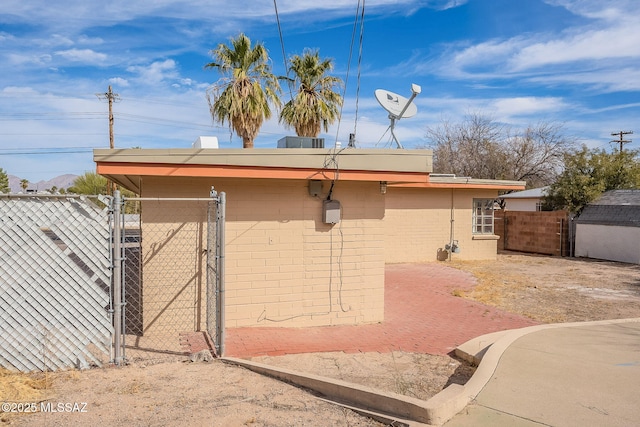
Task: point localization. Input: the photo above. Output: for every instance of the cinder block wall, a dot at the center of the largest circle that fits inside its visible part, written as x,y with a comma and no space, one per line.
284,266
173,250
535,232
417,225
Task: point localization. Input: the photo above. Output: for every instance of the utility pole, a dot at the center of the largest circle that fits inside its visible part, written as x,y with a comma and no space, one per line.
621,135
110,97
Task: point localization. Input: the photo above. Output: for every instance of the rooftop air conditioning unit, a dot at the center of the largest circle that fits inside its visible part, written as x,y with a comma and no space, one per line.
300,142
206,142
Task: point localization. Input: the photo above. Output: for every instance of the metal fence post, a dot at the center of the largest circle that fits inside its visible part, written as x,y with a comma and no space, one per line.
117,278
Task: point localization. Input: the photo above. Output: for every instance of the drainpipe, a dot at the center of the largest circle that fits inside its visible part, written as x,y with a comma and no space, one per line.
451,236
222,202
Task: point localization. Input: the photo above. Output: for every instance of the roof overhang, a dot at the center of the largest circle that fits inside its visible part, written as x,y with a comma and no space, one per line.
128,166
406,168
454,182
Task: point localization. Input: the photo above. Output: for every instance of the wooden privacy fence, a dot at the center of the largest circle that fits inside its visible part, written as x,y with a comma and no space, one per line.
535,232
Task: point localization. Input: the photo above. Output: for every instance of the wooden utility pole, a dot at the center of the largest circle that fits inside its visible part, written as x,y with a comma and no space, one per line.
110,97
621,135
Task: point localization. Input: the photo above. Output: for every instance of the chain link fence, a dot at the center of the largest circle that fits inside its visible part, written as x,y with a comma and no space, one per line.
171,264
88,280
55,281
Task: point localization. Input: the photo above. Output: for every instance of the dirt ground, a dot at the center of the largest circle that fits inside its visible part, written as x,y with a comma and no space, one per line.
177,392
556,290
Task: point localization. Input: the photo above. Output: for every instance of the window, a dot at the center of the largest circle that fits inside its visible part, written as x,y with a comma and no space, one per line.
482,216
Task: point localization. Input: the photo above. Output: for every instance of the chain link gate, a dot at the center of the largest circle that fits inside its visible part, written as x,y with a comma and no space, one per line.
172,271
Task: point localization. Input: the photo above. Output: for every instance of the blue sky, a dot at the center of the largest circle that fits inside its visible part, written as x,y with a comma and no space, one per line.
517,61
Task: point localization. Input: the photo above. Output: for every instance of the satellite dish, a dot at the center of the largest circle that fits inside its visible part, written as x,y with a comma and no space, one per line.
398,107
394,104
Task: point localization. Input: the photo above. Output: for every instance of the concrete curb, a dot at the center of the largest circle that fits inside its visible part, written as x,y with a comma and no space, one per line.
401,409
485,350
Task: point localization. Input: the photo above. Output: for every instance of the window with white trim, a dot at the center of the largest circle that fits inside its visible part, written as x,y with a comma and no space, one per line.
482,216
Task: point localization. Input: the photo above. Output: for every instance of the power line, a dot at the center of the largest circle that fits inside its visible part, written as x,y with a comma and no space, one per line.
50,116
355,123
358,18
48,148
48,134
27,152
284,55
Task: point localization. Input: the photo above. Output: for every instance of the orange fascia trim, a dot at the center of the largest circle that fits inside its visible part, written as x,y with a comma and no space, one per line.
226,171
457,185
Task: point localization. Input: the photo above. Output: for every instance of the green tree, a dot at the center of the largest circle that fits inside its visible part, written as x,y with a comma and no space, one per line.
316,104
24,183
242,97
588,173
4,182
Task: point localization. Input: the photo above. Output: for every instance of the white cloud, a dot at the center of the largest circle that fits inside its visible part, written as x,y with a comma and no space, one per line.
54,40
610,10
119,81
602,54
621,41
625,78
484,54
85,40
28,59
448,4
527,106
86,56
156,72
4,36
18,91
90,13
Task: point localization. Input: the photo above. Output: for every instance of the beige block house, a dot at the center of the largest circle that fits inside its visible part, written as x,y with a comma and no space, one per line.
284,265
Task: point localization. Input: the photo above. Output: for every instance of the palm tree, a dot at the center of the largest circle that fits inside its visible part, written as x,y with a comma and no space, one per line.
89,183
24,183
243,95
93,184
316,104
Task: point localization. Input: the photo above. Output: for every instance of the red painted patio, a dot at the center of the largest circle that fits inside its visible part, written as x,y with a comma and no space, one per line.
421,316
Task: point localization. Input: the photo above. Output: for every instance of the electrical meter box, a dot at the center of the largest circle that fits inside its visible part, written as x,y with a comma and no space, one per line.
331,211
315,188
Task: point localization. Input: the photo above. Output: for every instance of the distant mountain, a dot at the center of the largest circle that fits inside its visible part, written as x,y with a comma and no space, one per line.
62,181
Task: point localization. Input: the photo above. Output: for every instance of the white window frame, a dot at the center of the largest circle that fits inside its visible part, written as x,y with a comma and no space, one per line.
483,222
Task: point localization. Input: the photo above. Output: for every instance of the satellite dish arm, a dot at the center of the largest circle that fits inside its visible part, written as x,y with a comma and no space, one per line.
413,96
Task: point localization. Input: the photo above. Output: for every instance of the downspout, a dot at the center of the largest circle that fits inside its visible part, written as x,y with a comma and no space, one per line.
452,221
222,202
